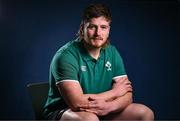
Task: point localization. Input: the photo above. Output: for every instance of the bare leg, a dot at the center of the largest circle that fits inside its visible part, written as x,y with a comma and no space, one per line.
133,112
69,115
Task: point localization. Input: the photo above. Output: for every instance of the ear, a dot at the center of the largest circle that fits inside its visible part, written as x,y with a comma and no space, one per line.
81,29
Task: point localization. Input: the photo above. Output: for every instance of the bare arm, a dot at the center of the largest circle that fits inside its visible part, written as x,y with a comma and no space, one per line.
120,103
73,94
74,97
120,87
102,107
108,95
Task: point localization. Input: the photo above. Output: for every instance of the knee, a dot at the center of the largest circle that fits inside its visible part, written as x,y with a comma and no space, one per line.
144,112
79,116
88,117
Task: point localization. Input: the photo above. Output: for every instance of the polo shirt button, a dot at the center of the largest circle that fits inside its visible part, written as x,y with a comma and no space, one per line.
94,60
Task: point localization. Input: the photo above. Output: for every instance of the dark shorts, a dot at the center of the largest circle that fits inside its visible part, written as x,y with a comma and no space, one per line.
56,115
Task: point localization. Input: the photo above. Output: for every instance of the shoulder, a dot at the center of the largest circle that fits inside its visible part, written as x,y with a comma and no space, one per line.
111,49
67,53
113,52
68,49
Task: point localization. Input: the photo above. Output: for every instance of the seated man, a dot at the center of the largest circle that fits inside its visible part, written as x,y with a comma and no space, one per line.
88,81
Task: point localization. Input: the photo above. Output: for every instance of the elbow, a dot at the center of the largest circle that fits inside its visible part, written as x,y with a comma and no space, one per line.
130,98
77,104
75,107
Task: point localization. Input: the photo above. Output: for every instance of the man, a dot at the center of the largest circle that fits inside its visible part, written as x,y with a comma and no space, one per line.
88,81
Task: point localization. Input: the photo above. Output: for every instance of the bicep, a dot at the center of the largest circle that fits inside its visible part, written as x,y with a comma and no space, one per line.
62,68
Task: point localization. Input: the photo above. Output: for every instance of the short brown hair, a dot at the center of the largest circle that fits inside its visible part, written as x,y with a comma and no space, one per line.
94,11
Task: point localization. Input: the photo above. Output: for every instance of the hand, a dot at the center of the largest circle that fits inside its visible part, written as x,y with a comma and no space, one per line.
121,86
98,106
93,96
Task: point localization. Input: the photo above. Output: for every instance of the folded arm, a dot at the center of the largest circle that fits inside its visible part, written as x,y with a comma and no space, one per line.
74,97
76,100
102,107
120,87
120,103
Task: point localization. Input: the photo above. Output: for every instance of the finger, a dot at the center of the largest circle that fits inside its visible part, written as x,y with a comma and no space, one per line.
89,105
128,86
93,102
91,111
87,110
93,106
82,109
84,106
122,80
128,82
130,89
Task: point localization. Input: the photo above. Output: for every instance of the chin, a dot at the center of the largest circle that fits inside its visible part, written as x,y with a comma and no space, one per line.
97,45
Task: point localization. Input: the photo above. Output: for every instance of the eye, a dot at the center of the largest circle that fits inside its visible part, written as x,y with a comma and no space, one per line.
91,27
104,27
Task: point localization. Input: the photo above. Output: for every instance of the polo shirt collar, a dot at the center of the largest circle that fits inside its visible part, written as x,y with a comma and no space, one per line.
86,56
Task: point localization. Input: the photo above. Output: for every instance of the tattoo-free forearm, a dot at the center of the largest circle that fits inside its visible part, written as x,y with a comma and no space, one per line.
121,103
107,96
73,95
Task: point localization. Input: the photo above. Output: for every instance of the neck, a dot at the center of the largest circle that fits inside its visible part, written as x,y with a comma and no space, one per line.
94,52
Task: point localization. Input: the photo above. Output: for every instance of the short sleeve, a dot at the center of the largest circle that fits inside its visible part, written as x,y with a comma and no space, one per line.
119,69
64,66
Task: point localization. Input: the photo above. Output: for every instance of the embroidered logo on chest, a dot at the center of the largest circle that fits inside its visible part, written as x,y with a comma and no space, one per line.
83,68
108,66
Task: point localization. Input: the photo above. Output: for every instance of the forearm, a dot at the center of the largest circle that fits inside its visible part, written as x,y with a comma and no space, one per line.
75,103
73,95
120,103
107,96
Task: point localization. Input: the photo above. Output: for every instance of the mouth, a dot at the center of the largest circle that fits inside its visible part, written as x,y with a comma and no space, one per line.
98,38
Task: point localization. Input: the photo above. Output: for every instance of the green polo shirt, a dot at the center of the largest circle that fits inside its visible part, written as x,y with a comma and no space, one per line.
73,63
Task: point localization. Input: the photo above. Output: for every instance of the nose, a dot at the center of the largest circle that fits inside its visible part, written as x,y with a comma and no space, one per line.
98,31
